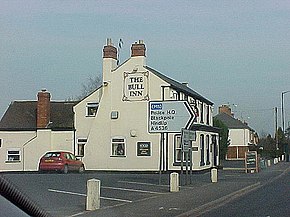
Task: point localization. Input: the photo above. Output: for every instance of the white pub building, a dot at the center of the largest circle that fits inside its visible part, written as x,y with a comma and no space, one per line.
133,121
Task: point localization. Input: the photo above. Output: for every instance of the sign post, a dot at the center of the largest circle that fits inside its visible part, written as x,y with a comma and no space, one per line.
169,117
251,161
186,137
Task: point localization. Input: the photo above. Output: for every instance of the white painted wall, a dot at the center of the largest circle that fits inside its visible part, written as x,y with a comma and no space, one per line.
133,116
239,137
32,146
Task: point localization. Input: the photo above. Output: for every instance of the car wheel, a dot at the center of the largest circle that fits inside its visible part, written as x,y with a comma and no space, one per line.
65,169
82,169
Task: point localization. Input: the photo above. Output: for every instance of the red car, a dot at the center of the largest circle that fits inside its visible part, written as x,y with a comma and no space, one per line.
60,161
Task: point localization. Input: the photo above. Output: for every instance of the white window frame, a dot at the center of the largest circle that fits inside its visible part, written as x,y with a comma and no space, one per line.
9,158
81,142
178,148
118,142
89,106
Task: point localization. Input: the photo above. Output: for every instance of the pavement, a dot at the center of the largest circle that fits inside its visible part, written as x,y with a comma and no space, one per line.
199,197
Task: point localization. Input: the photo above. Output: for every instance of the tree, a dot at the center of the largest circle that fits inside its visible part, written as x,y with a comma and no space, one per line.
223,137
89,86
267,146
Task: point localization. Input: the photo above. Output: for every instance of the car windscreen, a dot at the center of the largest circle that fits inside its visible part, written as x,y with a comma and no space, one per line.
52,154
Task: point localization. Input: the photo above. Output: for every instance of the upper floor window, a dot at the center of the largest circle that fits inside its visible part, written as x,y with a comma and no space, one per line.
1,143
92,108
201,113
207,114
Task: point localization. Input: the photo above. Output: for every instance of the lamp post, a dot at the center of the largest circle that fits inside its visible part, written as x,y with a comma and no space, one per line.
283,123
282,106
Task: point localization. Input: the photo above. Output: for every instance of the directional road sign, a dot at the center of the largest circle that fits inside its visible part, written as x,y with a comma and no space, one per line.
169,116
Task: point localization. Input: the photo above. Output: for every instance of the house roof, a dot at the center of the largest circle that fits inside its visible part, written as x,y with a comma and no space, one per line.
231,122
21,115
179,86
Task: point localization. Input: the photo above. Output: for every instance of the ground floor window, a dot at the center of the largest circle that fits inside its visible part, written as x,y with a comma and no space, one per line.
202,150
13,155
178,149
118,147
81,146
207,150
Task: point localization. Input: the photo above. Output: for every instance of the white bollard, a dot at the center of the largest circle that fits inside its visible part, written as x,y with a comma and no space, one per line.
93,194
174,182
269,163
214,175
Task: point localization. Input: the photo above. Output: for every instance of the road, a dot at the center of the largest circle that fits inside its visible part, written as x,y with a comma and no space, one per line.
269,200
138,194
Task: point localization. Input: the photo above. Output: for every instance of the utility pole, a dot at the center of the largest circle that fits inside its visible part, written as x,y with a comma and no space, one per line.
276,128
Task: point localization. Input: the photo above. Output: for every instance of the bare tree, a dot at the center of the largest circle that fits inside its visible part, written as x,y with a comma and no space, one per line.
89,86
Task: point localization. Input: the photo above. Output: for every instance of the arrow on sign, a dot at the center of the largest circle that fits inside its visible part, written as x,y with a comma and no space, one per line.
169,116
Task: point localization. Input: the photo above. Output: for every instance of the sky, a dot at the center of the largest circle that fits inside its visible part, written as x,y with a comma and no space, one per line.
231,52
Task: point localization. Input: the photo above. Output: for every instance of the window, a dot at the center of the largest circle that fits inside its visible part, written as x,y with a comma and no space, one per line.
207,150
81,147
114,115
13,155
0,143
118,147
207,114
143,149
178,151
201,150
92,108
201,113
177,144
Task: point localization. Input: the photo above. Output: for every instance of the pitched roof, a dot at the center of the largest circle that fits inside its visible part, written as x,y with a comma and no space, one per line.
231,122
179,86
21,115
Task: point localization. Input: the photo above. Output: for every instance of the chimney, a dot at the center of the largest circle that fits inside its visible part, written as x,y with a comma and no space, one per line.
225,109
109,60
109,50
43,109
138,49
185,84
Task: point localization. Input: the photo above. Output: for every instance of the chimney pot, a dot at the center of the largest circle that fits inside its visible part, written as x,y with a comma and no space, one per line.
138,49
225,109
109,50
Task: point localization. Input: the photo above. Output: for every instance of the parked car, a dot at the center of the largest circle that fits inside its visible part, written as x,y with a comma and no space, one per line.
60,161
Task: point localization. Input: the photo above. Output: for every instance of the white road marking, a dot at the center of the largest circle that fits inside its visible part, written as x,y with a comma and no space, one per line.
150,184
84,195
142,183
67,192
133,190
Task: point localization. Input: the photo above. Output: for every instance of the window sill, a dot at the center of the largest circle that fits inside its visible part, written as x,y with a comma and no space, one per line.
11,162
118,156
178,164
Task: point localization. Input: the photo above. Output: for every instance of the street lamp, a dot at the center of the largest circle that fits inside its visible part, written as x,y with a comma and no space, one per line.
283,124
282,104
